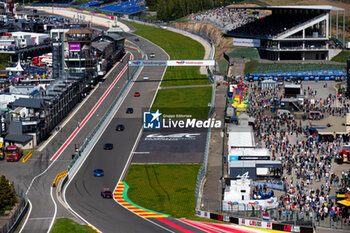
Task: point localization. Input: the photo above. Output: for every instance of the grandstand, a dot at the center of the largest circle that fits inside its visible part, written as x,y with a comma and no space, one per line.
129,7
291,33
91,4
55,3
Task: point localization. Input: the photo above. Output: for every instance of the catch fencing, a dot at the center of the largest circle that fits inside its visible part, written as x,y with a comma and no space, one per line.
16,215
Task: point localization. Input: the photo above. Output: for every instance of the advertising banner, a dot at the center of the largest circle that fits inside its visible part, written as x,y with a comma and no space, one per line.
172,63
148,63
243,42
255,223
202,214
191,63
74,47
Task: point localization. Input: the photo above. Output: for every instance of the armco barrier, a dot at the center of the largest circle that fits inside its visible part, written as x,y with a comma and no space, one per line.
254,223
19,219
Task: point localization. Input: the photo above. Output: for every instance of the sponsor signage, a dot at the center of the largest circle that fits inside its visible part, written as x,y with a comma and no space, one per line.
191,62
243,42
148,63
202,214
153,120
235,158
172,63
74,47
255,223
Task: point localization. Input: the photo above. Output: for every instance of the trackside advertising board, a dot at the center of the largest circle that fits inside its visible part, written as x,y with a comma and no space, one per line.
242,42
172,63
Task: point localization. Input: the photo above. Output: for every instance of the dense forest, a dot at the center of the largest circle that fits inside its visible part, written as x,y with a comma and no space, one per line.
173,9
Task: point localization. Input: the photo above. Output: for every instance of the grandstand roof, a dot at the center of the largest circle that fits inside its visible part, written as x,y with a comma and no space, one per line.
302,7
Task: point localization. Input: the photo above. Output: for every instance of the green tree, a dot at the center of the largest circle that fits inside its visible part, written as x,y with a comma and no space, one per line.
7,197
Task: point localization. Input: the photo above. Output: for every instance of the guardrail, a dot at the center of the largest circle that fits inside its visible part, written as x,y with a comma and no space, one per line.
17,215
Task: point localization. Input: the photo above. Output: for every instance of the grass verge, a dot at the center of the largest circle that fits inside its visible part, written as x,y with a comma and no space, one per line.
255,67
64,225
223,66
178,47
251,53
193,101
343,56
165,188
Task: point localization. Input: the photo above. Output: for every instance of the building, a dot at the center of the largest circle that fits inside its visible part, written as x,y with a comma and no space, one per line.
292,33
108,49
80,59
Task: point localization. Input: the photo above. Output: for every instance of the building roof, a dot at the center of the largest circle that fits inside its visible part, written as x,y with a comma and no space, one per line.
19,138
240,136
79,31
100,45
29,103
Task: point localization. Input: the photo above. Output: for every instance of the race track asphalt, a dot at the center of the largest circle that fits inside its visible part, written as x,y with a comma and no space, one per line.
39,193
83,193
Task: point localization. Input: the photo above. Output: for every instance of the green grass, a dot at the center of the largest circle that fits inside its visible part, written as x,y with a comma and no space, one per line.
65,225
193,101
251,53
343,56
255,67
223,66
178,47
165,188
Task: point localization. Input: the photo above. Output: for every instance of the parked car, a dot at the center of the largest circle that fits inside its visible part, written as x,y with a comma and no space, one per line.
137,94
129,110
152,55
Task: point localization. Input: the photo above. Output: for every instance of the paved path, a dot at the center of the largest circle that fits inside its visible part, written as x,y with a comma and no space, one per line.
211,190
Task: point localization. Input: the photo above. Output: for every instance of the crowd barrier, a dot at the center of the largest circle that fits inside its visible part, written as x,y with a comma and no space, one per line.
268,225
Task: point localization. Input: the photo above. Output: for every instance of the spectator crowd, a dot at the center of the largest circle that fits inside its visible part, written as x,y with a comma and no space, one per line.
224,18
310,177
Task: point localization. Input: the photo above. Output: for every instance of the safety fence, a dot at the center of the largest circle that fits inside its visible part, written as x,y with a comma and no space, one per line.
88,142
203,169
14,217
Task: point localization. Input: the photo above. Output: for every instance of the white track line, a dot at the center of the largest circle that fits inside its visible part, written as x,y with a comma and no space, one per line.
28,214
55,212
